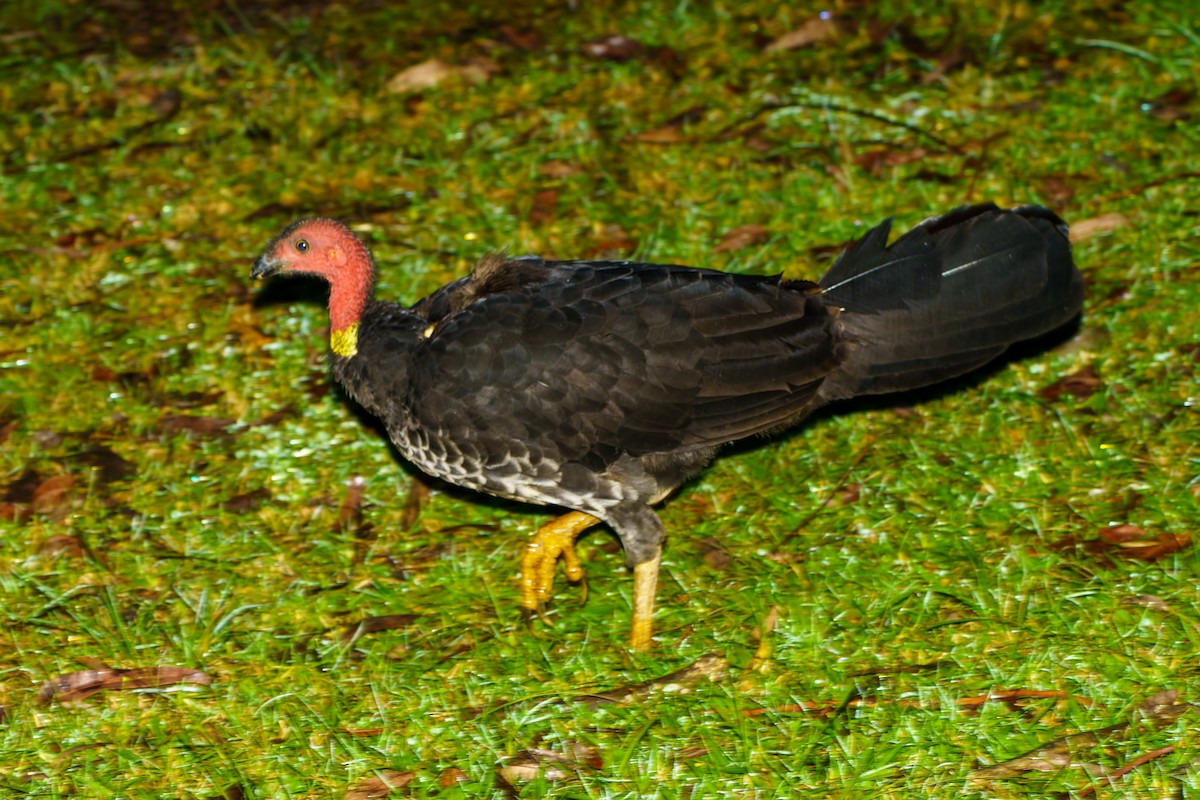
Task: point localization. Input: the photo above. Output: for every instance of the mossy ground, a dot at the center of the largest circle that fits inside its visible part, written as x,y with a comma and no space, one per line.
916,557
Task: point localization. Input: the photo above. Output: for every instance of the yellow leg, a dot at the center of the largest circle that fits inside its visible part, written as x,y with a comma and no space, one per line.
645,583
552,540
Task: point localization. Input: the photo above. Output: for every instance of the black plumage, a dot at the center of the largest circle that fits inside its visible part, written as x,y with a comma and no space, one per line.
602,386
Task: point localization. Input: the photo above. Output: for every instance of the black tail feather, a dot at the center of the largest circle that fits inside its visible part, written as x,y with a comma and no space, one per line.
949,296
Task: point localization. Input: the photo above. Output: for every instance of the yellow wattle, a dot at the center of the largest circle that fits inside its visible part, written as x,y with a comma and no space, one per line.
344,342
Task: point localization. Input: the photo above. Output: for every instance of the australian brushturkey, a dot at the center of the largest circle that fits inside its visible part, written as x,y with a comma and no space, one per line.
601,386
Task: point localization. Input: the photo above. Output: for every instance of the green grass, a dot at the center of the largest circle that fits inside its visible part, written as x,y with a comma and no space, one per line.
147,158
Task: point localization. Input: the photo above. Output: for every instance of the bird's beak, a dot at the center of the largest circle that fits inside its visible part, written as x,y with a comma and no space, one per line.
264,266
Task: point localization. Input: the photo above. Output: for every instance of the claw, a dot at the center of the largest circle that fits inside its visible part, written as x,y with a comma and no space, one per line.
554,539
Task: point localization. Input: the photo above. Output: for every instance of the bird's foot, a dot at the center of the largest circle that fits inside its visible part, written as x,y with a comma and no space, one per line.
645,582
552,540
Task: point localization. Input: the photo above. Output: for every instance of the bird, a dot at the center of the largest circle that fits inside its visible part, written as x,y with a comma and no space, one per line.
600,387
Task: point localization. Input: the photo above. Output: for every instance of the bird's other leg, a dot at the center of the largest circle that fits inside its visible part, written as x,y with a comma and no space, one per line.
641,532
554,539
645,583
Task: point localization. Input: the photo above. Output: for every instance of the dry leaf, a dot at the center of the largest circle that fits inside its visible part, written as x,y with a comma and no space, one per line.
275,417
363,732
1123,535
414,501
62,544
1159,710
613,47
191,399
1162,709
379,785
14,512
1127,541
618,47
877,160
898,669
947,62
1057,190
1128,767
526,39
1050,757
75,686
544,208
710,668
817,29
671,131
421,76
166,103
742,237
450,776
614,243
1150,601
528,765
1134,542
807,707
107,466
52,496
246,502
385,622
1082,384
762,634
1170,105
667,134
559,169
584,753
1054,755
429,74
756,142
714,553
7,426
201,426
1094,226
350,515
1013,697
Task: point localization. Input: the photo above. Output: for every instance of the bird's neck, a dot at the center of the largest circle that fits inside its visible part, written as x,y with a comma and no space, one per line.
348,297
378,376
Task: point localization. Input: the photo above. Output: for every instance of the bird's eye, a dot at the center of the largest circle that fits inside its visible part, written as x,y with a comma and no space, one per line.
301,246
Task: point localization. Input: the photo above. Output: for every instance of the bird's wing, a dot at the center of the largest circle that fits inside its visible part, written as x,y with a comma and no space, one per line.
605,358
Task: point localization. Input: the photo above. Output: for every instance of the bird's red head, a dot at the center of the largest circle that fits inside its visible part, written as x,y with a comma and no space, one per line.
328,249
314,246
